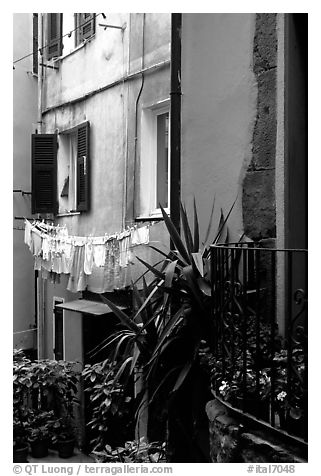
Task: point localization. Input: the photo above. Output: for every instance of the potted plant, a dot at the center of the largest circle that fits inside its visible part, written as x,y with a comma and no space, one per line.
109,406
64,436
248,398
289,407
20,440
41,430
20,412
137,451
160,339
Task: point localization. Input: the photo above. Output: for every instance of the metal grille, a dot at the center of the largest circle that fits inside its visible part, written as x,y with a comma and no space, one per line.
259,302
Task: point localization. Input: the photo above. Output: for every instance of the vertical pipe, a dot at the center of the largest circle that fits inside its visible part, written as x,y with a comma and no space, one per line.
175,123
213,294
232,313
257,320
245,252
289,323
40,73
41,284
224,312
273,334
136,115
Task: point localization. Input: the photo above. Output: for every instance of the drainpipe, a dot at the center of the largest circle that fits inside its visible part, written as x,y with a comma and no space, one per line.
175,123
40,290
40,73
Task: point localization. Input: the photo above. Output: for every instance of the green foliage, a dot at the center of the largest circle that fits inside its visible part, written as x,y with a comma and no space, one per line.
43,391
132,452
171,315
108,403
44,382
41,425
63,429
258,364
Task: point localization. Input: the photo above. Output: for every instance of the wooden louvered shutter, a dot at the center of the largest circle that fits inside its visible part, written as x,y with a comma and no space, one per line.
83,167
44,173
86,22
54,28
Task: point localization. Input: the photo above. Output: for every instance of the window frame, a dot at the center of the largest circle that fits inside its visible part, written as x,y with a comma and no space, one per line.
72,149
54,38
79,35
44,149
148,206
35,43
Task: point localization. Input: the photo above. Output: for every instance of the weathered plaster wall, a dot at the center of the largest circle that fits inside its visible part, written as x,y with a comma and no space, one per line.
96,62
259,183
111,113
219,96
112,116
72,322
24,121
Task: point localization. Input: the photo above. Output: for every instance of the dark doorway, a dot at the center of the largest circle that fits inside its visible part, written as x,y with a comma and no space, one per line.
58,332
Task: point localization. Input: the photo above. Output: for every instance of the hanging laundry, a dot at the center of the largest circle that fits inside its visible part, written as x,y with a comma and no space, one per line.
124,249
45,248
100,264
36,242
140,236
99,251
27,237
77,279
89,257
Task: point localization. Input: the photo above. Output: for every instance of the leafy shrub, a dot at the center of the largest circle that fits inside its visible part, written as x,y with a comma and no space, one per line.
132,452
109,405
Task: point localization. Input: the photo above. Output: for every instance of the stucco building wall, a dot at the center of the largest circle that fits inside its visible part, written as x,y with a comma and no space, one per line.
98,83
24,123
219,96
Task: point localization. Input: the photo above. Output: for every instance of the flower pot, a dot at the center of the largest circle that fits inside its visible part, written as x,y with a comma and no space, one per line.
66,448
39,448
20,454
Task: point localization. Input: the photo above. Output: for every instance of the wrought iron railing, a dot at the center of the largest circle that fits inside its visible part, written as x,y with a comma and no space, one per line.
259,304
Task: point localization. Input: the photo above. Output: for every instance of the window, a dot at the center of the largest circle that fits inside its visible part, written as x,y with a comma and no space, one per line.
44,173
73,170
66,31
85,24
65,174
54,31
155,159
35,43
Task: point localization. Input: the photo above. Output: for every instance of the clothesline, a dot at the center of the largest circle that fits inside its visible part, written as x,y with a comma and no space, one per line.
56,229
84,258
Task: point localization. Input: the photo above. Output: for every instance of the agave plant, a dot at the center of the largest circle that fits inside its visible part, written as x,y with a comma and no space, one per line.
171,315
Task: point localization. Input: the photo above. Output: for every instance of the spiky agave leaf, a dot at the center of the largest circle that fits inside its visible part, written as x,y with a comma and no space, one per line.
175,237
187,231
196,229
125,320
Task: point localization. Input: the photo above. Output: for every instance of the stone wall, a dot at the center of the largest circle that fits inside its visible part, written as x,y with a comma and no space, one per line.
259,182
233,441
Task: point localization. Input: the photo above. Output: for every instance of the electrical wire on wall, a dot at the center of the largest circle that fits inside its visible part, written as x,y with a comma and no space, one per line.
136,113
49,44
